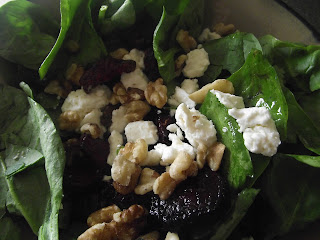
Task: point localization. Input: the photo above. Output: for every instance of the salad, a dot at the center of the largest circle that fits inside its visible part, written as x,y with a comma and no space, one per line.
131,119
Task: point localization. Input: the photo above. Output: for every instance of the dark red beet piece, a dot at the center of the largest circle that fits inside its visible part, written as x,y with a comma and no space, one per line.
96,149
195,201
151,65
105,71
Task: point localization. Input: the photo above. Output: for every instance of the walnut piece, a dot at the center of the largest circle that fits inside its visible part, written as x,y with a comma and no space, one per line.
74,73
224,30
156,93
127,227
147,178
201,155
92,129
122,170
180,165
102,215
186,41
179,64
135,152
69,120
123,95
221,85
119,53
164,186
124,190
215,154
54,87
136,110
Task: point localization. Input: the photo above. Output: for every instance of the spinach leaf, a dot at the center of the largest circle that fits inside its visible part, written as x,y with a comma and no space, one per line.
258,83
298,61
313,161
3,190
291,188
18,158
302,125
27,33
68,9
9,229
229,53
237,163
242,203
309,102
35,192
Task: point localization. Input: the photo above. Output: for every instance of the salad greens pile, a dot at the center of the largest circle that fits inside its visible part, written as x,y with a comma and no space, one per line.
271,196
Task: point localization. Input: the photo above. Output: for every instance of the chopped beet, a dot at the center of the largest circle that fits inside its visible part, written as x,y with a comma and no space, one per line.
96,149
196,200
105,71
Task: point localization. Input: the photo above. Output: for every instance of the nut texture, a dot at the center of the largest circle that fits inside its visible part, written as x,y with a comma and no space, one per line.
102,215
224,30
164,186
136,110
147,179
179,167
215,154
119,53
92,129
69,120
135,152
156,93
124,190
186,41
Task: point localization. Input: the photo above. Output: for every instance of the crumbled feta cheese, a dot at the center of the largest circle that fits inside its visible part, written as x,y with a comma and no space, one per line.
94,117
259,131
175,129
153,159
169,153
196,64
135,79
137,56
83,103
115,140
229,100
181,96
142,129
207,35
190,85
172,236
119,121
196,126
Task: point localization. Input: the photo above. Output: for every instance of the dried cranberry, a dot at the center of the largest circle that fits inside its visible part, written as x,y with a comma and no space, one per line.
105,71
163,120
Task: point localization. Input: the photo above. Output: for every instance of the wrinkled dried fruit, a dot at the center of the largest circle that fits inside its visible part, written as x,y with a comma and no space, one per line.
105,71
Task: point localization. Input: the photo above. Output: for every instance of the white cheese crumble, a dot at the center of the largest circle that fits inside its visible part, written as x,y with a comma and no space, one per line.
181,96
88,105
190,85
207,35
137,56
115,141
83,103
119,121
229,100
196,126
175,129
259,130
196,64
146,130
169,153
153,159
135,79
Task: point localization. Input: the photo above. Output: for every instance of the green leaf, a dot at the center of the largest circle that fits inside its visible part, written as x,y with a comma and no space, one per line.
242,203
313,161
302,125
9,229
18,158
299,62
237,163
291,188
309,102
3,190
27,33
68,9
230,52
259,85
